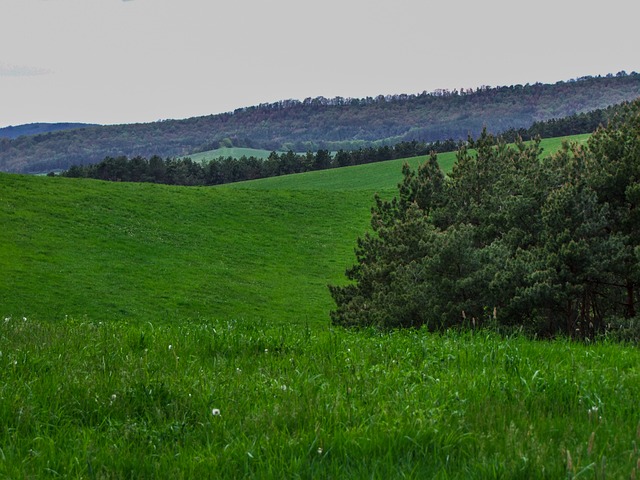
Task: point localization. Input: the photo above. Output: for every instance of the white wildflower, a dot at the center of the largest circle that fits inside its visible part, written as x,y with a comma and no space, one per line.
215,412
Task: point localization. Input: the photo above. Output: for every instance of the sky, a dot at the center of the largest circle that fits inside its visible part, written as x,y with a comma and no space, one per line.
128,61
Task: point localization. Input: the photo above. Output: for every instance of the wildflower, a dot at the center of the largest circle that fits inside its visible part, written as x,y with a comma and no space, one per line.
215,412
320,450
170,346
283,388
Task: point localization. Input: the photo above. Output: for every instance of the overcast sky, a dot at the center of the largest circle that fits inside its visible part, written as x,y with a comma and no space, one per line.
124,61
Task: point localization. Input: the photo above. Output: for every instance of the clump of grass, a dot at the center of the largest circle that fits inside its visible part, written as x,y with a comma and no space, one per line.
239,398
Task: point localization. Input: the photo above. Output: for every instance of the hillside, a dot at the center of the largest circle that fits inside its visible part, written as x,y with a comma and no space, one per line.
12,132
152,331
261,249
143,251
326,123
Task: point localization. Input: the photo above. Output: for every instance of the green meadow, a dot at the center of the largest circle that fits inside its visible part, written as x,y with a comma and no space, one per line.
140,251
149,331
235,152
374,177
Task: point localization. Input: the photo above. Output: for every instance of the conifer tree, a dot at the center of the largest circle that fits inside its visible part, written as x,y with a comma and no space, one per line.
552,246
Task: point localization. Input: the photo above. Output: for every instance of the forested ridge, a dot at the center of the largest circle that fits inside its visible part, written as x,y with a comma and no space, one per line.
227,169
331,124
16,131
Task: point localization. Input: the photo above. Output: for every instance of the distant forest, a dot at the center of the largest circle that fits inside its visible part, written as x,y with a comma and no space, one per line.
40,128
184,171
327,124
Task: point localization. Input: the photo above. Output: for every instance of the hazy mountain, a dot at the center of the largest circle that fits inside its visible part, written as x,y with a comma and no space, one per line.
12,132
326,123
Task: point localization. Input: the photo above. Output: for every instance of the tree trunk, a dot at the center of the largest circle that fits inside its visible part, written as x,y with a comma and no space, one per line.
631,308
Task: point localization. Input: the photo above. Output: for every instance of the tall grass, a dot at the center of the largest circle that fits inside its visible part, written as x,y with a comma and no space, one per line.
234,399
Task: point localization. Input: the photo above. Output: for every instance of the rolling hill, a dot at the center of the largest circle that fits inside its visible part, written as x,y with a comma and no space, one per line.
12,132
325,123
261,249
152,331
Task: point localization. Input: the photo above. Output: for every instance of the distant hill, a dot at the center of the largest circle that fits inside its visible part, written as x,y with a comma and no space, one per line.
12,132
338,123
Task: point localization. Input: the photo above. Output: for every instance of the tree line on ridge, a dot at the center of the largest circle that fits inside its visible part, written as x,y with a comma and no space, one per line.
184,171
326,124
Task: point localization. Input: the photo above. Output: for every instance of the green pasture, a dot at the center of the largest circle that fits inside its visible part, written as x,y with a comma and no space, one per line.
110,251
253,399
234,152
149,331
377,177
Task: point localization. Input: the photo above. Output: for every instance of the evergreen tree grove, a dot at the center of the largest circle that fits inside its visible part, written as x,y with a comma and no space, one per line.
508,239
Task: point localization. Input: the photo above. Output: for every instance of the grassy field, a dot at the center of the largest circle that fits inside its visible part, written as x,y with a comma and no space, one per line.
235,152
149,331
118,251
375,177
551,145
245,399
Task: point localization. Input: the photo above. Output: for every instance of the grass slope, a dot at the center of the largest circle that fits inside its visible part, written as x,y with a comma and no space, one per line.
235,152
380,177
112,251
164,332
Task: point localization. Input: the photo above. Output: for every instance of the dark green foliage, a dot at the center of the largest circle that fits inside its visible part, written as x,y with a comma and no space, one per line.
561,127
387,272
551,246
184,171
